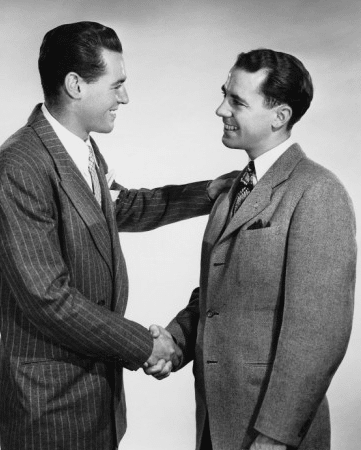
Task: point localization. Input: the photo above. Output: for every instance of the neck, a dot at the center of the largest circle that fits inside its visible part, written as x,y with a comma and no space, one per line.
260,150
67,117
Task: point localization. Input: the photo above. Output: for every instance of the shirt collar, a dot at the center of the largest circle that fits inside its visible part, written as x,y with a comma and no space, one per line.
74,145
263,162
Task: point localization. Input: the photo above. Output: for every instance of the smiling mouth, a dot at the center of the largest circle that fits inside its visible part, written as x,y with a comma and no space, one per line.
230,127
113,113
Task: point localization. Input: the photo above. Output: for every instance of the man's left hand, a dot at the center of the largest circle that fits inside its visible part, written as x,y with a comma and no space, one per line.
221,183
263,442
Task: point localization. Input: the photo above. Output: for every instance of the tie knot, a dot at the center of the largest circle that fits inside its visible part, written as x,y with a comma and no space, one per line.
250,168
245,186
248,174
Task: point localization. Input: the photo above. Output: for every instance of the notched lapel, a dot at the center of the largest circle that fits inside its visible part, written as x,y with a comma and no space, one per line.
257,201
88,209
261,195
74,185
217,218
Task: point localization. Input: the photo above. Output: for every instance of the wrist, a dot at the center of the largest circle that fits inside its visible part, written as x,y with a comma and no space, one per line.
208,191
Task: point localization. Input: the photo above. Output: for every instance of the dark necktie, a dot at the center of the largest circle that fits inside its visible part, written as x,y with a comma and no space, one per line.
94,175
244,188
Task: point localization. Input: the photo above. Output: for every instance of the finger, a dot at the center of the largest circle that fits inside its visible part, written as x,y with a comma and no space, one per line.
165,372
161,371
154,331
156,368
161,377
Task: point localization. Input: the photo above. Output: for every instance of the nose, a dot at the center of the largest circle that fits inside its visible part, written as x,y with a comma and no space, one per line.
223,110
122,95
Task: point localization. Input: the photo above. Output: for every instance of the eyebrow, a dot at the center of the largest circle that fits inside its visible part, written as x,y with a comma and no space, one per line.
233,96
120,81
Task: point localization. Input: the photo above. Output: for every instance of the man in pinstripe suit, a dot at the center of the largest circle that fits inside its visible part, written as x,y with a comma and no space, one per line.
63,279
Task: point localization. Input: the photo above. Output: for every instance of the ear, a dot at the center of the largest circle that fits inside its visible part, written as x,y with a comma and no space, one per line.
282,116
73,85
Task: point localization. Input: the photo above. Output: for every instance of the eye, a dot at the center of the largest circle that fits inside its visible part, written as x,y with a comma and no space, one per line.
236,101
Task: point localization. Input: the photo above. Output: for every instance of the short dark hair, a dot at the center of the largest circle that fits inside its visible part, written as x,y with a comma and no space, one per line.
287,81
75,47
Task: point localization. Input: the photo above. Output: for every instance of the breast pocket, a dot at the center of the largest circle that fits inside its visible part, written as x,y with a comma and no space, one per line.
261,257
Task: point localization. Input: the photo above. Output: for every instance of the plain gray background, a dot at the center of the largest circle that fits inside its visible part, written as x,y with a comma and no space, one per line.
177,56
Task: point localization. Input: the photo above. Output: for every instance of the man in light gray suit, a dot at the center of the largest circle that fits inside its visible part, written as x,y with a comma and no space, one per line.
63,278
270,322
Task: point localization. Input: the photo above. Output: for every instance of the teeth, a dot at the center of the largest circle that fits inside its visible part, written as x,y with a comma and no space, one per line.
230,127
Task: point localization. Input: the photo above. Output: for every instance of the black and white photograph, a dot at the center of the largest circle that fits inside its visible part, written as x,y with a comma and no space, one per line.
179,225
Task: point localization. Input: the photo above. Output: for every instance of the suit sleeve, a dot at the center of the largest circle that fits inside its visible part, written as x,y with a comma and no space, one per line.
184,326
146,209
37,275
317,312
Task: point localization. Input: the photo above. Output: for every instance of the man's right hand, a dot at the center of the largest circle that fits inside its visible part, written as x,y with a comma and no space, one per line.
165,355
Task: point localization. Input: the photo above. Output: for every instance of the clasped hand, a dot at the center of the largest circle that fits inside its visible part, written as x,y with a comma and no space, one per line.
165,356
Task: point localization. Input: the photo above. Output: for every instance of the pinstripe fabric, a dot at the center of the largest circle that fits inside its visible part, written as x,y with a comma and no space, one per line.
63,292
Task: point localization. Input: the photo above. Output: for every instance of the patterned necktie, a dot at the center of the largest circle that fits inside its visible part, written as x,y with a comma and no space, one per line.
245,187
94,175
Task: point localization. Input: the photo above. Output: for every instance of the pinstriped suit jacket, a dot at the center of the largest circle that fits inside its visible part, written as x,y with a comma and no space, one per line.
63,293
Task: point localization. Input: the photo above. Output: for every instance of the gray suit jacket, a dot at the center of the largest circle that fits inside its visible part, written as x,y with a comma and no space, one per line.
63,293
271,321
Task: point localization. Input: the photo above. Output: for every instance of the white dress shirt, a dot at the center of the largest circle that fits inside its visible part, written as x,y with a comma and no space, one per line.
74,145
267,159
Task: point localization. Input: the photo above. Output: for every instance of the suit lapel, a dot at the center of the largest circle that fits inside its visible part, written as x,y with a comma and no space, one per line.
74,185
219,215
120,290
260,197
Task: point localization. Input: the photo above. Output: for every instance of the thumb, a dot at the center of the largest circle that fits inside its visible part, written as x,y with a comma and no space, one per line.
154,331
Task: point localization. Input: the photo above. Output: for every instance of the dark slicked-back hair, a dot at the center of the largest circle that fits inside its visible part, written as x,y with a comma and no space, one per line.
287,80
75,47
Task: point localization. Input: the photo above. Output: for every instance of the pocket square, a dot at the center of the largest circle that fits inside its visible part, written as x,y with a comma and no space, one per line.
258,224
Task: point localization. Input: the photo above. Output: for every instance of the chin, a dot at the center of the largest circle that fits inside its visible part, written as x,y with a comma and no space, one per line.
229,143
105,130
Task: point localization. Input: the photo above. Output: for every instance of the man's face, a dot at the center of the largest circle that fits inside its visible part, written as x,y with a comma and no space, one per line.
100,99
247,121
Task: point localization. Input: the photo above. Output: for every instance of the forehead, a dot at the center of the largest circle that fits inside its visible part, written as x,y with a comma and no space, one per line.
241,82
114,64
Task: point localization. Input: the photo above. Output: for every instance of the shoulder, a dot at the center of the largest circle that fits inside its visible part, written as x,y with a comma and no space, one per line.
320,187
24,150
23,156
311,175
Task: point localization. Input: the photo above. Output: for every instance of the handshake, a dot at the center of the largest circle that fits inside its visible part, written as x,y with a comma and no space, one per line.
165,356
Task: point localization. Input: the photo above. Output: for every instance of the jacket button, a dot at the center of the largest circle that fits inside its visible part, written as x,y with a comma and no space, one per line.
210,313
101,302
